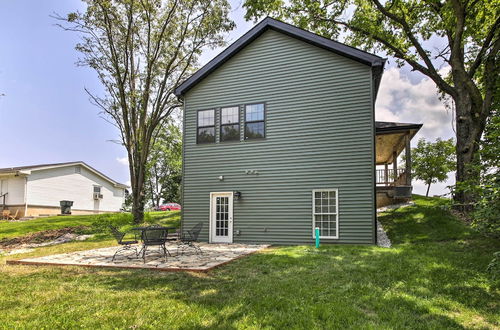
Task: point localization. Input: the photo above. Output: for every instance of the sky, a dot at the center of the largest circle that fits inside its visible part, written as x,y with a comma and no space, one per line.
46,116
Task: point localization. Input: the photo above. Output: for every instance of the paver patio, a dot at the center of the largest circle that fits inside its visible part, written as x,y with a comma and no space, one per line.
213,255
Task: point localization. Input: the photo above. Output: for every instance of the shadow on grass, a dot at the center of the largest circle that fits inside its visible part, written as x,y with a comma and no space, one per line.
341,286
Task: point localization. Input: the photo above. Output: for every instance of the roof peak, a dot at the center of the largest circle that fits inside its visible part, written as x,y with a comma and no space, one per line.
374,61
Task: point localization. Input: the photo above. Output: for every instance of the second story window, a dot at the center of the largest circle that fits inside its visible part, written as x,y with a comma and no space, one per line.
206,126
230,124
254,121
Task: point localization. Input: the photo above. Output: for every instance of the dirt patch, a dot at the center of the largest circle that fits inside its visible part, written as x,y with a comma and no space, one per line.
40,237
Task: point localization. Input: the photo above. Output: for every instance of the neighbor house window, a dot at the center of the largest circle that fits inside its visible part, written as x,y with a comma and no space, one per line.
325,213
254,121
206,126
97,189
78,170
230,124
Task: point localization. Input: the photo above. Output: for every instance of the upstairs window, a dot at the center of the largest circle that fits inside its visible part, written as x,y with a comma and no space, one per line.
254,121
230,124
97,189
206,126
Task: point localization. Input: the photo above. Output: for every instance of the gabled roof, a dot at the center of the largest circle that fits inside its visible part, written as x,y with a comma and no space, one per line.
376,62
29,168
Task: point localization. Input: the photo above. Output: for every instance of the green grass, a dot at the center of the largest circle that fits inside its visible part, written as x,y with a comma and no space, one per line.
434,277
16,229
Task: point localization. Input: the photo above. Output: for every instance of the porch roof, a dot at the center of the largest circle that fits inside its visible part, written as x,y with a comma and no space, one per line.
390,137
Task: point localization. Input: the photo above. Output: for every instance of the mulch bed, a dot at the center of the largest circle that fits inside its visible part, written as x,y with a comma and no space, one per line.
40,237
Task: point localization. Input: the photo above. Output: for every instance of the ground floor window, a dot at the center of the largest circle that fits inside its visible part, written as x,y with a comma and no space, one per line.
325,212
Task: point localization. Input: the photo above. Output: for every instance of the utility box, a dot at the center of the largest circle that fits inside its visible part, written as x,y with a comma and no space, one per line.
66,207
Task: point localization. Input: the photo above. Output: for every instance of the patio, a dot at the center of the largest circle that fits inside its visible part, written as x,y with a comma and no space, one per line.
213,255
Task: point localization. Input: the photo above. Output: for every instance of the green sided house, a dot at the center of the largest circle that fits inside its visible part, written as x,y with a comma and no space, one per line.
280,138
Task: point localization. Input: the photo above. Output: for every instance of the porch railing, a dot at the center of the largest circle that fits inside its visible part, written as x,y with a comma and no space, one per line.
391,178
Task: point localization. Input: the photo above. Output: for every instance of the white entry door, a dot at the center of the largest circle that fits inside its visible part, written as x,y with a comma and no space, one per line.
221,217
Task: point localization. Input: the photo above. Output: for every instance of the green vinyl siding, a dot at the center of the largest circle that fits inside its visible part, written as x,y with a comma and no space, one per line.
319,135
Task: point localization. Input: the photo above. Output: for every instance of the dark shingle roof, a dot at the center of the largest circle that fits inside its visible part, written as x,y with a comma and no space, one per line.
387,126
376,62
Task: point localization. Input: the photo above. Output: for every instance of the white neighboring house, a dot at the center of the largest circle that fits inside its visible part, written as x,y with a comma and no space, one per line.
38,189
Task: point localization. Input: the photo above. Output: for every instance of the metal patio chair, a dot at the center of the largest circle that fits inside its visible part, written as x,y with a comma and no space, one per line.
124,245
189,240
155,236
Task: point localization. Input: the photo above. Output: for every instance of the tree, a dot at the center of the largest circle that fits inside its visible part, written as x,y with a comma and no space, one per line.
486,212
141,51
433,161
408,30
165,166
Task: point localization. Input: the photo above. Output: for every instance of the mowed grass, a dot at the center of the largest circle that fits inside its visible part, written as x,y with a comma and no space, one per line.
433,278
21,228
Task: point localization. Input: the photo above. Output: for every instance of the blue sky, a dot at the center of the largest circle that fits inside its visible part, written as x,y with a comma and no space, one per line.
46,117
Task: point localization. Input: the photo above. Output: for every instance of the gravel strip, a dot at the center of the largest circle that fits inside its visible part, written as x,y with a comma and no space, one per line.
382,239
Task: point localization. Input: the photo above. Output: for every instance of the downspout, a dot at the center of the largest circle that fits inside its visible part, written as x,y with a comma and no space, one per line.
26,196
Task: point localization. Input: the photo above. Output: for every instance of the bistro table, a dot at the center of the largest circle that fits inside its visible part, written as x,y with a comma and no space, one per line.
154,227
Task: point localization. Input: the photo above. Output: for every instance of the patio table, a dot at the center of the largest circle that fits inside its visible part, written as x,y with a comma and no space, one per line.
154,241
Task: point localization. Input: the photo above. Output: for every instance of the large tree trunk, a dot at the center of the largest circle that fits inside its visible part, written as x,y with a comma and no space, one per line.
468,129
137,178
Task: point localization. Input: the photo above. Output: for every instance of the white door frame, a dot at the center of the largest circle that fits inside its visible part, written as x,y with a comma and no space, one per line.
212,217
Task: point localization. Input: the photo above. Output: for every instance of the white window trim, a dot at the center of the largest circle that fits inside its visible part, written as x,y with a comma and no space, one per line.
336,213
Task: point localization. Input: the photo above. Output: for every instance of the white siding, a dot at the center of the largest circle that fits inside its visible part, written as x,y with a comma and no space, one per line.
14,186
48,187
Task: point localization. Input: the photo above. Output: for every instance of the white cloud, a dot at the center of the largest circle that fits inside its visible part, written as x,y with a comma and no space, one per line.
122,160
401,100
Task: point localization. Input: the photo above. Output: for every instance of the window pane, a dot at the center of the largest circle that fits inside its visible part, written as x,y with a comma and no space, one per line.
254,130
97,189
254,112
230,132
206,118
230,115
206,135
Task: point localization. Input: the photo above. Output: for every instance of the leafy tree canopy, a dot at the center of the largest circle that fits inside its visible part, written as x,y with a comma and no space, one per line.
462,35
432,161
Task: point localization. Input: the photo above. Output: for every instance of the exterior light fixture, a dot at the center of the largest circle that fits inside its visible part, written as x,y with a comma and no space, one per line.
237,194
221,178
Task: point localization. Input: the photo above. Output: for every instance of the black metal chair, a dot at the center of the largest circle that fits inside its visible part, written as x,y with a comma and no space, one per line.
124,245
154,236
189,240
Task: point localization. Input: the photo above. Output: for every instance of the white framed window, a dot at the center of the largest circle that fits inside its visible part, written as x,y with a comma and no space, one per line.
78,169
97,189
325,216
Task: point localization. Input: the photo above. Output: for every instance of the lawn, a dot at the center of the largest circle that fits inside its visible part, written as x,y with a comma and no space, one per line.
433,277
95,223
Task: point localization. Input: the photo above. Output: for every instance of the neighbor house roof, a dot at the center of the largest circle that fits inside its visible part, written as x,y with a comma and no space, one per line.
27,169
376,62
